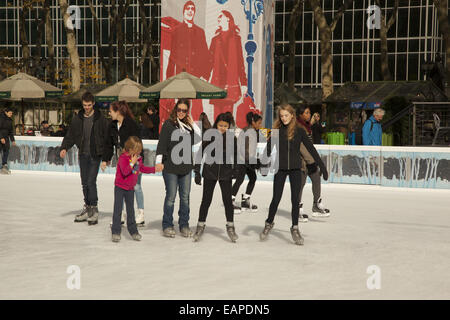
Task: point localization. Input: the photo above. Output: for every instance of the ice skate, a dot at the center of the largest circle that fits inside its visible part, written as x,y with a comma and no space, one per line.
236,208
186,232
199,232
136,237
319,210
169,232
232,233
83,215
115,237
268,226
5,170
140,218
92,215
247,205
302,217
296,236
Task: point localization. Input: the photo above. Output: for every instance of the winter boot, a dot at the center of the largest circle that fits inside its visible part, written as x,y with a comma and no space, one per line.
319,210
115,237
140,218
231,232
169,232
199,232
92,215
186,232
83,215
268,226
296,236
302,217
136,237
247,205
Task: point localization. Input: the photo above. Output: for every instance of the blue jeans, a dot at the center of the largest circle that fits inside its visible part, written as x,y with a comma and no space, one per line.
89,170
183,184
138,193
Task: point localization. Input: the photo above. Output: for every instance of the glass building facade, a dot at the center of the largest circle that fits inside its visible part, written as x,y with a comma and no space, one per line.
413,39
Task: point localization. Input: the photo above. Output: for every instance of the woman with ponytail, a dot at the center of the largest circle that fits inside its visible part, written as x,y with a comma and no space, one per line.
122,127
249,136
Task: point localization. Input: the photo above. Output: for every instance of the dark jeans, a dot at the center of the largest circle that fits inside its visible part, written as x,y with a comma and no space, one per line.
316,185
89,170
251,173
5,150
183,184
208,192
278,186
119,196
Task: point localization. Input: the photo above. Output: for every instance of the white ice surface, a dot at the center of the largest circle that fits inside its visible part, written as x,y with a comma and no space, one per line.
403,231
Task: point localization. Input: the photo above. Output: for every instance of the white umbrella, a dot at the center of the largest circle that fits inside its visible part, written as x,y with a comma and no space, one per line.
183,85
23,86
125,89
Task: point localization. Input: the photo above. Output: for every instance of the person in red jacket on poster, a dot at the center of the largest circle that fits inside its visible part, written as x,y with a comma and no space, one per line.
228,70
189,52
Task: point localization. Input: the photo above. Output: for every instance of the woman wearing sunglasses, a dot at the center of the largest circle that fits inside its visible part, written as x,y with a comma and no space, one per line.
177,176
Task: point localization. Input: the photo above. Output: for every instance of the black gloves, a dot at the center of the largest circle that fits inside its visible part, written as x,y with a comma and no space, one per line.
198,178
312,168
323,171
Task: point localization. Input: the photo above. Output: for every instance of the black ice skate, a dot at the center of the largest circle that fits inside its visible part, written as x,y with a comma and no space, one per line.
268,226
296,236
199,232
83,215
236,207
319,210
92,215
232,233
247,205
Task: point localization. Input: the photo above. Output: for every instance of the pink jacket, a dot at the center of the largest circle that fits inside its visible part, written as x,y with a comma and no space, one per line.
127,176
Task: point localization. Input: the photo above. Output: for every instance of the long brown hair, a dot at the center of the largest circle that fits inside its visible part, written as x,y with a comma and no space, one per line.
292,125
123,108
173,114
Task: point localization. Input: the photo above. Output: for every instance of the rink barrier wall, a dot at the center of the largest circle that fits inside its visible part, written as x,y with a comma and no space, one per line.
412,167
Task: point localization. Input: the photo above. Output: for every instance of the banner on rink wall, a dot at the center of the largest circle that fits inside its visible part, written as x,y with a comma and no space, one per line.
228,43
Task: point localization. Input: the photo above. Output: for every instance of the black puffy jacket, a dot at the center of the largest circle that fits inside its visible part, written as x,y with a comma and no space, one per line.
6,128
289,156
98,133
117,137
222,170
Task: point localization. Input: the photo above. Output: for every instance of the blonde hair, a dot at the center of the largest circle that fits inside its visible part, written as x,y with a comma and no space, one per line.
133,145
292,125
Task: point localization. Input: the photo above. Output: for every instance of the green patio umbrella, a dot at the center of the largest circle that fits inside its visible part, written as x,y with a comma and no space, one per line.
23,86
125,89
183,85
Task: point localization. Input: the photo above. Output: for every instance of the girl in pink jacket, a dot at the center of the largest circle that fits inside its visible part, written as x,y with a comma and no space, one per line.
129,166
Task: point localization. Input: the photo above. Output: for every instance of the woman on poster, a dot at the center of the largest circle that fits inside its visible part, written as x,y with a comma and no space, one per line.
228,70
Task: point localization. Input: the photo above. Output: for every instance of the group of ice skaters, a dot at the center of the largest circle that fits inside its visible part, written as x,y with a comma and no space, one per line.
98,139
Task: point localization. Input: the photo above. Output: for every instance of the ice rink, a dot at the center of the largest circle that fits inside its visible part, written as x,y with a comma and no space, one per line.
405,232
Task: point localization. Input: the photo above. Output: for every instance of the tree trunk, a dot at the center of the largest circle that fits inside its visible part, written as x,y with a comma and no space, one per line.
384,28
293,23
23,13
49,37
444,26
71,48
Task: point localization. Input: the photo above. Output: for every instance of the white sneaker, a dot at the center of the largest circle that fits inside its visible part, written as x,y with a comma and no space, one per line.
140,218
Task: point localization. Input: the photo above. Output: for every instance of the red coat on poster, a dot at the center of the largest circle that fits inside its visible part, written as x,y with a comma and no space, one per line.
189,52
228,69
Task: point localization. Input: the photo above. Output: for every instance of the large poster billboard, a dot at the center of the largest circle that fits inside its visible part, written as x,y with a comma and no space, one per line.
228,43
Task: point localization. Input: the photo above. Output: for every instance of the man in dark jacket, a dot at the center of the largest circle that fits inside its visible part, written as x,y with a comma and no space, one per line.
6,134
88,132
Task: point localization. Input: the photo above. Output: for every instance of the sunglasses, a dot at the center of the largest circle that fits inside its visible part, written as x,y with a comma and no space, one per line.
182,110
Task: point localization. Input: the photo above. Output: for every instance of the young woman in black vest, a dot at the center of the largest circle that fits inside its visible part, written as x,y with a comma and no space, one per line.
290,137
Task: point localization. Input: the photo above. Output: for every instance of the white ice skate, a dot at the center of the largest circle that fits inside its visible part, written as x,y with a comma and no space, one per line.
140,218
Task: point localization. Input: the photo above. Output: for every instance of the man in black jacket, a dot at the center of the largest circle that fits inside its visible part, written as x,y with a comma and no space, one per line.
6,134
88,132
